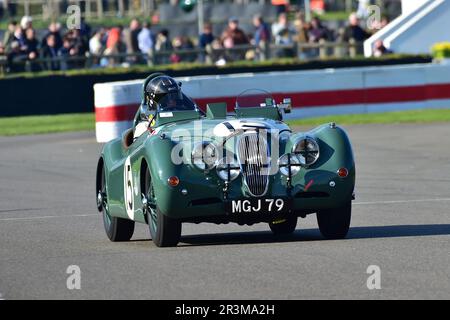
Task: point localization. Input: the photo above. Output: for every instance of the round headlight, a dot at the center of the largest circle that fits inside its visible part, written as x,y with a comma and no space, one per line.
307,150
228,169
204,155
289,161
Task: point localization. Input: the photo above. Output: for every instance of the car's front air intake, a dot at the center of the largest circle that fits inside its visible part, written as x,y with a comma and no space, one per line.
254,158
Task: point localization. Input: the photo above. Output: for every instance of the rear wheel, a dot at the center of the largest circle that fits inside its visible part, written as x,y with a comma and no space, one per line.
335,223
165,231
283,226
117,229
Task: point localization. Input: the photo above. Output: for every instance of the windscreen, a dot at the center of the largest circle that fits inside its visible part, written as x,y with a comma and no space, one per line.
253,98
176,101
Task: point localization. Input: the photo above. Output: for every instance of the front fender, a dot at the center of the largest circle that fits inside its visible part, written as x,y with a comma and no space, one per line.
335,152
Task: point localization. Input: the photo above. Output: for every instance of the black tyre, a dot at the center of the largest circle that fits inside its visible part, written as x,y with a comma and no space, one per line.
117,229
283,226
165,231
335,223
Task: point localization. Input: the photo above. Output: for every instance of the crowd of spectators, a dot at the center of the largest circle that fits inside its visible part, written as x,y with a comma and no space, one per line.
139,43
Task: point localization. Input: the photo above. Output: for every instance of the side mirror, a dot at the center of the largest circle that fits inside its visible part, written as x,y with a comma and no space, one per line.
144,112
286,105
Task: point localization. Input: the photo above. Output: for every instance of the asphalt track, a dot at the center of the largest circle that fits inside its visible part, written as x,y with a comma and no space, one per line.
401,223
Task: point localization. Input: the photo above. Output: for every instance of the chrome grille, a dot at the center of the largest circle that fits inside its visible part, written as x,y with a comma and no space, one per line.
254,160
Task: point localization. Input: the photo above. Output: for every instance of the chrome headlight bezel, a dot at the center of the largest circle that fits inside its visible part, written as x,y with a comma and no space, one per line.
311,155
228,169
202,161
289,164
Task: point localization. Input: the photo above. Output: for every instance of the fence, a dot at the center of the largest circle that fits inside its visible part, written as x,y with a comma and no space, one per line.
209,55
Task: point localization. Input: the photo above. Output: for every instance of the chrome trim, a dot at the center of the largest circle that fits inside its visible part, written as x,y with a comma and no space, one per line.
297,141
254,157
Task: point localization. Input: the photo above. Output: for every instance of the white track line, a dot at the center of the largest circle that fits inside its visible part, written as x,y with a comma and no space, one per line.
401,201
48,217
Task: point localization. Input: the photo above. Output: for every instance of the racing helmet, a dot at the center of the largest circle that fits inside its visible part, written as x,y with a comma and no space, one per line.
163,93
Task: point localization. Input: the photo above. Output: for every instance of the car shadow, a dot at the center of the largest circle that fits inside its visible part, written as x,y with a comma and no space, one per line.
372,232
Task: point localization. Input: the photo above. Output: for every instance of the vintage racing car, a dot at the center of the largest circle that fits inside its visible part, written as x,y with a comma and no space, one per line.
179,164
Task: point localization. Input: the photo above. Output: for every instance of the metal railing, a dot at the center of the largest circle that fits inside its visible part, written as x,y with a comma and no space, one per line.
208,55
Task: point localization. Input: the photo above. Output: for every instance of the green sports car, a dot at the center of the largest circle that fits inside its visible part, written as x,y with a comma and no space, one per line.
241,163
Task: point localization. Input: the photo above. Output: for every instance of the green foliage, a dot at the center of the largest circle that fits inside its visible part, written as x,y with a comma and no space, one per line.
441,50
246,66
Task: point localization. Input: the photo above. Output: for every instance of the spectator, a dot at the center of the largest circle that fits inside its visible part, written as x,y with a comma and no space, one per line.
9,34
131,39
301,28
163,44
284,35
26,22
67,52
53,29
281,26
49,51
114,44
379,49
354,30
233,35
179,44
262,32
31,48
207,37
16,58
78,42
19,36
317,32
145,39
85,29
95,43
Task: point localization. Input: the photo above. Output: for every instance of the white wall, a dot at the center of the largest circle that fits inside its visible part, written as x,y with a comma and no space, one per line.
410,5
313,93
423,23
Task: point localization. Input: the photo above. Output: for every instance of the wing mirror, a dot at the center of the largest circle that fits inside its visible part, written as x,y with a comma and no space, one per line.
144,112
286,105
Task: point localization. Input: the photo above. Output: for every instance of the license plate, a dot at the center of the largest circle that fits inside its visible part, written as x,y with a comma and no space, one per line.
258,206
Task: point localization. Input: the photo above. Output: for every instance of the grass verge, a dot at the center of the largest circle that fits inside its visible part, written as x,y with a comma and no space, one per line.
412,116
86,121
46,124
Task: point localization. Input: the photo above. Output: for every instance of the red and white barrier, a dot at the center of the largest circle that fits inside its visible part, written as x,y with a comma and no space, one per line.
313,93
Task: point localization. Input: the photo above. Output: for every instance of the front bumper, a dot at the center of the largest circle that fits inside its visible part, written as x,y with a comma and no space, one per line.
206,200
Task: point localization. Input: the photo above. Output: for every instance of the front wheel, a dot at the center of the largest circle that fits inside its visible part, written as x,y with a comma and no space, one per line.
117,229
283,226
335,223
165,231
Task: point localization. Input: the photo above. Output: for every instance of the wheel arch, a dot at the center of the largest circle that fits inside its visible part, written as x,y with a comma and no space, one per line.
98,180
142,171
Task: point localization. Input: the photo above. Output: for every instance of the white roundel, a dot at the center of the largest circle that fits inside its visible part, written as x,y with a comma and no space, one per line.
227,128
128,188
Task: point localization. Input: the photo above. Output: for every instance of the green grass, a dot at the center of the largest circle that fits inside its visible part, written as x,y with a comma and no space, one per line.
86,121
46,124
413,116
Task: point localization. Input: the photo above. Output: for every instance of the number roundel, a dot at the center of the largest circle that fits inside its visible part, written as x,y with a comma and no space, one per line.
128,188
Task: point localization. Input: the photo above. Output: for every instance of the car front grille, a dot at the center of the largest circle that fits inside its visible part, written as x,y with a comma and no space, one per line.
254,158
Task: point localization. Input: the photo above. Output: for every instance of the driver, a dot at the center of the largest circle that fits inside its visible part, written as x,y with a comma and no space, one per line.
162,94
